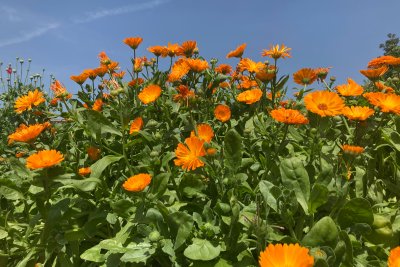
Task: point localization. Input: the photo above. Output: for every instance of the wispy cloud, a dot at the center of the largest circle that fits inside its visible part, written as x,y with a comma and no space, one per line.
28,36
11,14
91,16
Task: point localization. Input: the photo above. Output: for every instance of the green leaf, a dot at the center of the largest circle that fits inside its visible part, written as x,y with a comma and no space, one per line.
98,167
19,168
10,193
233,150
159,185
319,196
295,177
356,210
191,185
138,253
181,225
95,123
270,193
324,232
202,250
3,234
93,254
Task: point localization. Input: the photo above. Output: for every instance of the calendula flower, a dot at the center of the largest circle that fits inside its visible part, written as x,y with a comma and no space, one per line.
98,104
250,96
187,48
27,134
158,50
20,154
136,126
276,52
188,155
384,60
250,65
137,182
184,93
357,113
84,171
93,153
288,116
222,113
136,82
352,150
119,75
139,63
80,79
292,255
133,42
196,65
58,89
386,102
104,59
305,76
172,49
246,83
204,132
238,52
101,71
267,74
90,73
178,70
374,74
350,89
44,159
223,69
382,87
54,101
113,66
322,73
26,102
324,103
150,93
394,257
211,151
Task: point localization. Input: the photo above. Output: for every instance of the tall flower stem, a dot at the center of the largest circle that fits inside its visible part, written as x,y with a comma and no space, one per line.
121,116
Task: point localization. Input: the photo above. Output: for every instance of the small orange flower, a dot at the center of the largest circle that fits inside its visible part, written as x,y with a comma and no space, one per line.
350,89
322,73
136,126
324,103
137,182
44,159
54,101
119,75
357,113
266,75
113,66
98,104
197,65
223,69
133,42
26,102
394,257
238,52
288,116
150,93
20,154
352,150
250,96
246,83
101,71
84,171
188,156
305,76
386,102
204,132
382,87
136,82
172,49
222,113
211,151
104,59
374,74
384,60
158,50
183,93
58,89
26,134
80,79
93,153
276,52
90,73
179,69
250,65
292,255
187,48
139,63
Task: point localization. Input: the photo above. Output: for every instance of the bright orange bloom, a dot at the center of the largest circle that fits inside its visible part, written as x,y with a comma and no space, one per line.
266,75
26,102
44,159
350,89
84,171
324,103
101,71
136,82
54,101
58,89
386,102
211,151
91,73
277,95
133,42
158,50
172,49
384,60
80,79
322,73
352,150
250,96
104,59
139,63
27,134
357,113
374,74
288,116
382,87
183,93
113,66
179,69
250,65
305,76
188,156
150,93
119,75
98,104
394,257
222,113
187,48
246,83
204,132
93,153
292,255
238,52
197,65
276,52
136,126
137,182
223,69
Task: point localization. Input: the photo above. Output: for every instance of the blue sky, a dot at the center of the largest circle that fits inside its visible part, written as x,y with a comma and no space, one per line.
64,37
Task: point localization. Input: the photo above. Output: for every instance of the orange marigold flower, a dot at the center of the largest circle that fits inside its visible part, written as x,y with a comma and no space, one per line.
276,52
324,103
292,255
384,60
158,50
386,102
98,104
58,89
223,69
197,65
139,63
188,156
80,79
352,150
133,42
27,134
288,116
113,66
204,132
246,83
26,102
211,151
44,159
305,76
183,93
93,153
250,96
136,126
20,154
119,75
350,89
322,73
224,85
238,52
394,257
250,65
150,93
136,82
104,59
172,49
179,69
90,73
187,48
137,182
266,75
54,101
101,71
222,113
277,95
357,113
84,171
382,87
374,74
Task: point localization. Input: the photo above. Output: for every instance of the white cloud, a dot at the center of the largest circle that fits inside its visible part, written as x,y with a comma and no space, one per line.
11,14
90,16
30,35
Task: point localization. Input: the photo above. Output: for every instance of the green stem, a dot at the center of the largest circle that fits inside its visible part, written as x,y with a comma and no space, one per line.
121,116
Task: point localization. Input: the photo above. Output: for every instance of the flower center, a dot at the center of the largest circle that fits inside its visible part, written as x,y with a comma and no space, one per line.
322,106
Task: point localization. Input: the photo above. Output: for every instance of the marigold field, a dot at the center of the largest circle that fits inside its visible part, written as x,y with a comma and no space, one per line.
200,163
